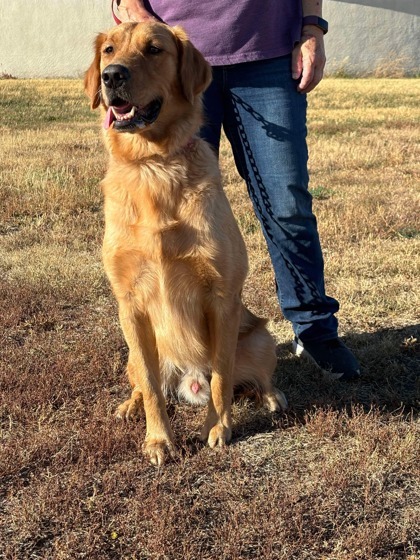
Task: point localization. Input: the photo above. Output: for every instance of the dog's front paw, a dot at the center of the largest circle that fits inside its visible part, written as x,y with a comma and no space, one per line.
218,436
129,409
158,450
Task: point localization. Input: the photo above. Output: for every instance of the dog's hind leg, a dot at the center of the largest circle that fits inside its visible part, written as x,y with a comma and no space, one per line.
255,363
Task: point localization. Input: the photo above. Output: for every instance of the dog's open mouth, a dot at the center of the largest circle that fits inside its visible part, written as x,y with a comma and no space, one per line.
126,117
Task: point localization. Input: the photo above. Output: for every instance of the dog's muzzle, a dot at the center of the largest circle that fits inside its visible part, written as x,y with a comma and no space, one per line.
123,115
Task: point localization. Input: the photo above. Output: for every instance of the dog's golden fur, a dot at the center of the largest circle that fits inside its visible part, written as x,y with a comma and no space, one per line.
172,249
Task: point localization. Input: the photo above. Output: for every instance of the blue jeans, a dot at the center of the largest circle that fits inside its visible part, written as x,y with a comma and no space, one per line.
264,119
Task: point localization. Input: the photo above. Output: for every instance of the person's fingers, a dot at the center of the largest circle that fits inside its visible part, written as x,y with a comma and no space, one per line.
296,62
308,73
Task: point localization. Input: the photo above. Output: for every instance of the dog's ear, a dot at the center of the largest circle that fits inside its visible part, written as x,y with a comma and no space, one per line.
194,71
93,74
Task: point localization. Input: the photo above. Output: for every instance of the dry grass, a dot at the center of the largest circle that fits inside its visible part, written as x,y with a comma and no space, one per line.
334,479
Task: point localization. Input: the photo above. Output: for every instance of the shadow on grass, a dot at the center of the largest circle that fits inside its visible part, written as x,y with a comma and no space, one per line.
390,360
390,383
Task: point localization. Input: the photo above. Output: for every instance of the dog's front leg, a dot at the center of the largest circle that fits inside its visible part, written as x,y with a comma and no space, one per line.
145,376
223,327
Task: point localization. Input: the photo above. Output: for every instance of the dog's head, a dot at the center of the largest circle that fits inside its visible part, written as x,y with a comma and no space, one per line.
144,74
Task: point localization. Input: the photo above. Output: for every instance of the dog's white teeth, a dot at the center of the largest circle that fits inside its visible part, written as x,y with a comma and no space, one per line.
131,114
124,116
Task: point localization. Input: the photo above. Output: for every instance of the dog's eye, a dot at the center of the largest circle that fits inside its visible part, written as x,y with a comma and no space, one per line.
109,49
153,49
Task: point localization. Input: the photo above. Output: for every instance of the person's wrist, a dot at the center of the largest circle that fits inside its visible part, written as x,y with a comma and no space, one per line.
313,30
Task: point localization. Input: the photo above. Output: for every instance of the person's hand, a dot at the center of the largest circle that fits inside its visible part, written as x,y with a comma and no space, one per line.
134,10
308,59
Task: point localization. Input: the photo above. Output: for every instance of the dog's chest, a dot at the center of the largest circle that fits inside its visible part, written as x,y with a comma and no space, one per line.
159,241
166,262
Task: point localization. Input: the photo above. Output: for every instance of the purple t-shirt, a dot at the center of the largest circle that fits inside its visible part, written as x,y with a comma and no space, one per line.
234,31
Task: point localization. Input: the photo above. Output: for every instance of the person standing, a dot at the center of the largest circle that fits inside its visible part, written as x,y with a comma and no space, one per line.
265,57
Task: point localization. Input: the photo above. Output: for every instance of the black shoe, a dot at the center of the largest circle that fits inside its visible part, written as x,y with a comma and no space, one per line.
331,356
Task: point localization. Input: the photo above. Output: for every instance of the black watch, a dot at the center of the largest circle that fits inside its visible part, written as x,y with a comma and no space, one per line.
317,21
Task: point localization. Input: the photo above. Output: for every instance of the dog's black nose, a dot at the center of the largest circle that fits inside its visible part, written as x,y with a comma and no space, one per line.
115,75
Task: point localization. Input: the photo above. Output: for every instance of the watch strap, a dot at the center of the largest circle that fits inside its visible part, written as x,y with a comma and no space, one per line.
317,21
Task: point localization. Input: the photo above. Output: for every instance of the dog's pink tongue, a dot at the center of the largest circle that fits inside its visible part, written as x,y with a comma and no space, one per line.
195,387
109,119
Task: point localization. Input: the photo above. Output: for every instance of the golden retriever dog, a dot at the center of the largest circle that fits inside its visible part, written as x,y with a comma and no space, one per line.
172,249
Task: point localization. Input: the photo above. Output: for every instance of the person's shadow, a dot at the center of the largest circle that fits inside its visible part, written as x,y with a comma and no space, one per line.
390,382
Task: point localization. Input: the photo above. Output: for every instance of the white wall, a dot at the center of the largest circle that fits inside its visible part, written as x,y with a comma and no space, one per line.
364,37
45,38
